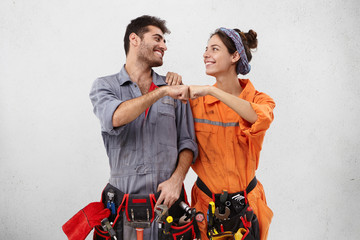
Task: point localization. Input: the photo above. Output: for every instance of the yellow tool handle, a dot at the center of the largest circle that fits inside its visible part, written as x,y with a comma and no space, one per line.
169,219
212,207
240,233
168,224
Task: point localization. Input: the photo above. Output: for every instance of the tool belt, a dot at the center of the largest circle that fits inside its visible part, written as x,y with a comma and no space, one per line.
229,215
139,211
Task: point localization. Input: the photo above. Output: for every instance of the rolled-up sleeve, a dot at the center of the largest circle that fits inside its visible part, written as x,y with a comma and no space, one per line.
263,105
105,102
185,129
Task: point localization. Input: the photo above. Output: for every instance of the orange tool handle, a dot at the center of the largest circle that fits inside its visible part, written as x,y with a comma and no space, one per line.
140,233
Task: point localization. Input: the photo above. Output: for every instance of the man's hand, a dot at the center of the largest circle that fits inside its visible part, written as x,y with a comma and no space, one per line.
180,92
173,79
170,192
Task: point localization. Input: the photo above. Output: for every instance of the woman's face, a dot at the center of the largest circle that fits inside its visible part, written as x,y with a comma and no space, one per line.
217,59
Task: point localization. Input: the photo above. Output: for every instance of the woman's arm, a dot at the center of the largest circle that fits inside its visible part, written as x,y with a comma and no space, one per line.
240,106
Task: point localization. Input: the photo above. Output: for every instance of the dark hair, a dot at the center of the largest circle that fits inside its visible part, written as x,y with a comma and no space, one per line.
249,41
139,26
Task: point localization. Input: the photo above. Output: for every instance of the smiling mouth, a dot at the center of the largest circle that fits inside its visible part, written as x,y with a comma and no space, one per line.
208,63
160,53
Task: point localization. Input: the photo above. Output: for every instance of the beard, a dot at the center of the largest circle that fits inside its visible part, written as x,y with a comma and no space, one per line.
147,56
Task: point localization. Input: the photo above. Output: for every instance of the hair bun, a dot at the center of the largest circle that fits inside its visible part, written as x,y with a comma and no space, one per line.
251,38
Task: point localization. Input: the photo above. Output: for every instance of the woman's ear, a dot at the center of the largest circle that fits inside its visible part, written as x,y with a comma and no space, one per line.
235,57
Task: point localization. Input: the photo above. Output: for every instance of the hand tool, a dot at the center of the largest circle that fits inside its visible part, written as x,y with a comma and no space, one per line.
249,214
228,235
161,213
105,224
110,203
189,212
223,198
222,216
139,225
239,234
168,224
139,233
211,212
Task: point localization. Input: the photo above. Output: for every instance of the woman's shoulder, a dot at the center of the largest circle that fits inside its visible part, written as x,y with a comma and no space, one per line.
255,95
263,98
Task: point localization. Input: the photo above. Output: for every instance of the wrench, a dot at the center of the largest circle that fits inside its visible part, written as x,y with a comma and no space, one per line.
223,216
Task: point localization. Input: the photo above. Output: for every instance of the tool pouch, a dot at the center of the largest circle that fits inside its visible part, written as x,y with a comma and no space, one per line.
140,208
232,214
115,218
237,221
188,231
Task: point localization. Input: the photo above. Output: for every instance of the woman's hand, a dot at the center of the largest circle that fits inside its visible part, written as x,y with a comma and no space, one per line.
199,91
173,79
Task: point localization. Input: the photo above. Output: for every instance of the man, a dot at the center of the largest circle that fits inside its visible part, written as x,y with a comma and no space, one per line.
147,130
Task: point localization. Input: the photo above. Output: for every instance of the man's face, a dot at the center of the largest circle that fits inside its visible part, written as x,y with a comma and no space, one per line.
152,47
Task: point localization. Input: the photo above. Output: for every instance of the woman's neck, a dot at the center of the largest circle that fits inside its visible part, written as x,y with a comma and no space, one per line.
229,83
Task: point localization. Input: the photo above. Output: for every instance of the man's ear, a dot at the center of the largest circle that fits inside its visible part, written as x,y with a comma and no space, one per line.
235,57
134,39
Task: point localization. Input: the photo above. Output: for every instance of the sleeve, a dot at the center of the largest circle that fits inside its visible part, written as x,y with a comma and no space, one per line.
263,105
105,102
185,128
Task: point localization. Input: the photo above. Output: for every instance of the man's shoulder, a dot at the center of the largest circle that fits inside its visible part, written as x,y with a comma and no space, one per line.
113,80
158,79
109,78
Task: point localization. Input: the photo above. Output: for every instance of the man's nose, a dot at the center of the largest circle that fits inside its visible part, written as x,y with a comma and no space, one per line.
163,46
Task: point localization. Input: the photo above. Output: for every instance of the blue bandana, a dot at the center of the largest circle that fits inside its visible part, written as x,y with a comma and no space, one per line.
243,67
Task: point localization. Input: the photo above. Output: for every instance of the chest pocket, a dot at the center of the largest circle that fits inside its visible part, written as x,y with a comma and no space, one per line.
208,143
167,107
166,124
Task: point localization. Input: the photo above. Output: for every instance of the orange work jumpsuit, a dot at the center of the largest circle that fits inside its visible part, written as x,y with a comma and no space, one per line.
229,149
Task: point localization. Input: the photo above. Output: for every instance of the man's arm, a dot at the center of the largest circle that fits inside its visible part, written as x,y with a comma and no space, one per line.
129,110
171,188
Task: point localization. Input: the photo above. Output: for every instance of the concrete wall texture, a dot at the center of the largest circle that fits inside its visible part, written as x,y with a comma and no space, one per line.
52,159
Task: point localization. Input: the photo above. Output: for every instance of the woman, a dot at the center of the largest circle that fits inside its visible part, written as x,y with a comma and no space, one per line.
231,118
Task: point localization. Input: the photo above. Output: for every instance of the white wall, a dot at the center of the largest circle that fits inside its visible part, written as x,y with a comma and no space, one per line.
52,160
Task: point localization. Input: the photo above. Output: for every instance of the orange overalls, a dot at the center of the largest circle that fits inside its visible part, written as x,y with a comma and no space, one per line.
229,149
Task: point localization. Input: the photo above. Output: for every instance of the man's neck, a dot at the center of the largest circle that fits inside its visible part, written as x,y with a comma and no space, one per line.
140,74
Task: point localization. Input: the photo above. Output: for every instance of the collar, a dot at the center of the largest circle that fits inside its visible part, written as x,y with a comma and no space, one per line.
247,93
123,77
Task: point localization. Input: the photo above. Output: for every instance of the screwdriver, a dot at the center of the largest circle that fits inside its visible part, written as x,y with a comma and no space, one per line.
211,213
168,224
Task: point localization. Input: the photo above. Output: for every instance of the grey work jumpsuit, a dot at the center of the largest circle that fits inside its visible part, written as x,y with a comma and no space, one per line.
144,152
